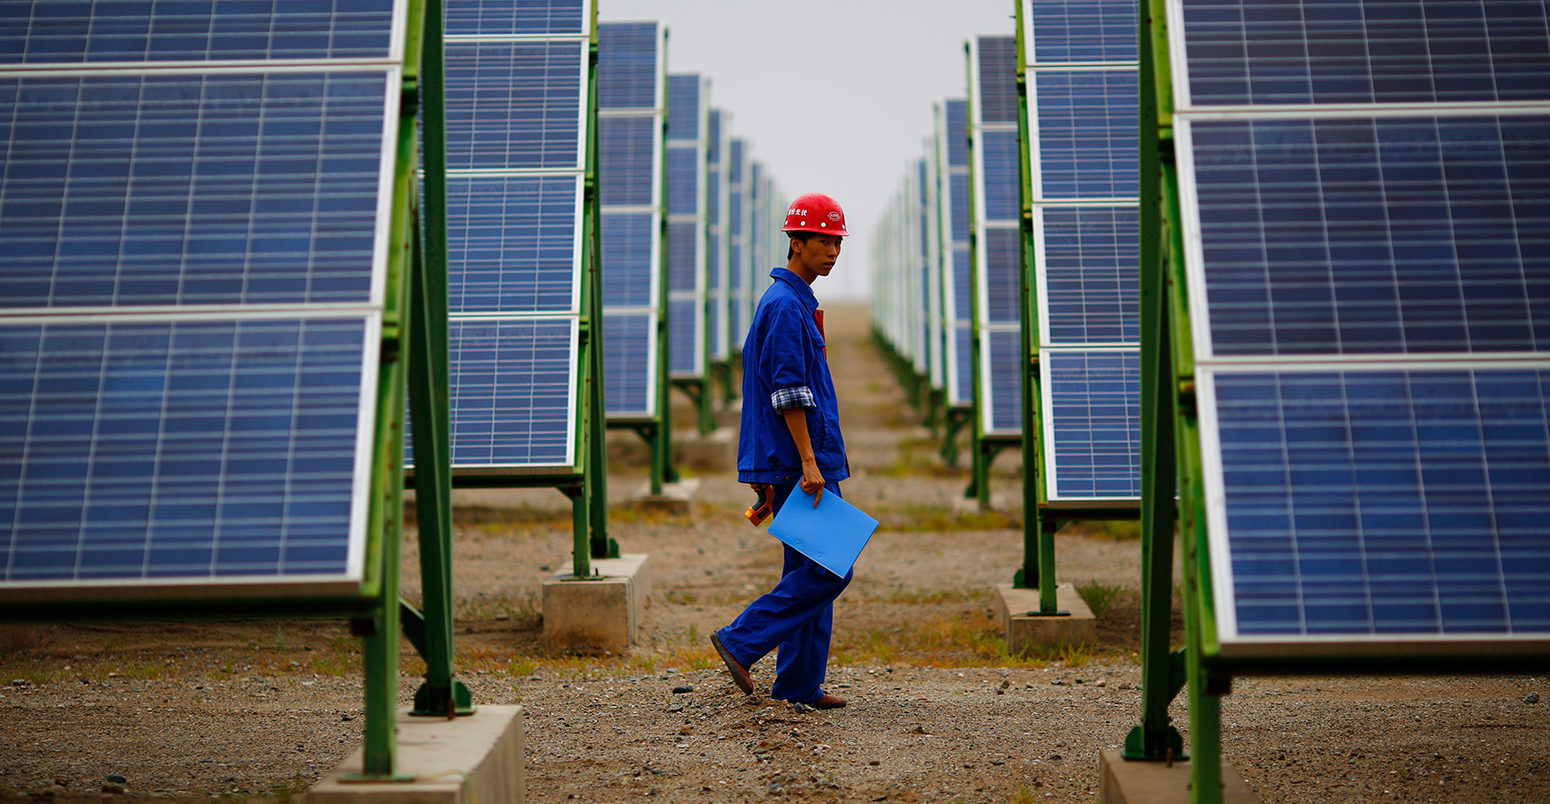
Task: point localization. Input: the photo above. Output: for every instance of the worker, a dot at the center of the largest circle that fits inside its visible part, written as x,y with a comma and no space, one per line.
791,437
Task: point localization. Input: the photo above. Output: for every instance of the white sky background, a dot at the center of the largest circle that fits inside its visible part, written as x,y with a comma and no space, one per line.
834,96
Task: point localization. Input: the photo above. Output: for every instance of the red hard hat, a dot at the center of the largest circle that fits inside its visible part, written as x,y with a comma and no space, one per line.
815,212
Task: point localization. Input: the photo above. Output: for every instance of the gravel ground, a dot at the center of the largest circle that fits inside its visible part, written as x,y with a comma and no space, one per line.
939,712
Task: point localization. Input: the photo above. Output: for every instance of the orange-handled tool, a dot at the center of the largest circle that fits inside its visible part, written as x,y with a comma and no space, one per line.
757,512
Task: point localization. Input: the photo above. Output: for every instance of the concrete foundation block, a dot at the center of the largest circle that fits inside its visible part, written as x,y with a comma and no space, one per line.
1024,631
715,451
600,612
1121,782
676,498
465,760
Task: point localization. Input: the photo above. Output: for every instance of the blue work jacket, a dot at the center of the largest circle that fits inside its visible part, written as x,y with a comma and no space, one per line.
784,352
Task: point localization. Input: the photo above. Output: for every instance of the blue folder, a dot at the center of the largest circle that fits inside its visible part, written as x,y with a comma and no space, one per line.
833,534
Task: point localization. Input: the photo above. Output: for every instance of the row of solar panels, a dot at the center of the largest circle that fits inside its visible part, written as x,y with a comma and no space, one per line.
678,190
1363,194
196,212
953,264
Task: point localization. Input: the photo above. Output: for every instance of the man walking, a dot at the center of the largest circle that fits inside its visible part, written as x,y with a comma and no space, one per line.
791,436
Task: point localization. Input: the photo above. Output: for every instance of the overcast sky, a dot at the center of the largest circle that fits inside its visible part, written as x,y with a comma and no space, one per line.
834,96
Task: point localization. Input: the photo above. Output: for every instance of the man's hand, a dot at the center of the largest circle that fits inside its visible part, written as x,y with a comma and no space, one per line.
812,480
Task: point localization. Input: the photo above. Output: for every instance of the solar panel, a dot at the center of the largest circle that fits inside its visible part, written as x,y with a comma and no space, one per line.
1076,31
1003,386
1368,502
516,17
514,105
687,162
1088,282
193,210
127,32
630,249
631,340
1410,234
133,190
1374,447
1398,51
629,76
516,98
717,211
739,221
1086,124
996,161
1092,423
514,392
498,223
957,304
631,85
219,451
1083,172
931,268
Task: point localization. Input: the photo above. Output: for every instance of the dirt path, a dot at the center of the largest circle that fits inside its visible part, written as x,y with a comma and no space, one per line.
939,712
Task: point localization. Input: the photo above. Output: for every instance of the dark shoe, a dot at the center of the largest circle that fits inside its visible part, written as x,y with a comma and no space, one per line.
740,675
829,701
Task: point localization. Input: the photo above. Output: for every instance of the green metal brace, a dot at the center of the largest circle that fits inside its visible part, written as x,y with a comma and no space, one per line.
429,396
595,470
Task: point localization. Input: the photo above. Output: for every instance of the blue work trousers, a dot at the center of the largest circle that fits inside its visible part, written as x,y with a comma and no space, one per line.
797,616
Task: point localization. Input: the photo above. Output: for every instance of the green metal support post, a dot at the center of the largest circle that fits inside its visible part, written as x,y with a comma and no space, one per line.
429,396
595,424
380,631
1038,532
979,480
1162,677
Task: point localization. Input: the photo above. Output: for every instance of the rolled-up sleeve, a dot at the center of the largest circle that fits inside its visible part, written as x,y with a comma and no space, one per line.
800,396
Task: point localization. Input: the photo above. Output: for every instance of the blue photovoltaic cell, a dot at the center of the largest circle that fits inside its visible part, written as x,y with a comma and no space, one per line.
682,251
715,327
1095,415
997,79
1087,129
514,17
962,349
713,138
628,349
179,449
627,258
1346,236
1387,501
627,153
1003,275
1004,367
627,65
959,187
511,244
963,296
1083,30
1001,177
683,185
97,31
514,105
683,342
683,107
957,112
123,190
1092,279
511,391
1388,51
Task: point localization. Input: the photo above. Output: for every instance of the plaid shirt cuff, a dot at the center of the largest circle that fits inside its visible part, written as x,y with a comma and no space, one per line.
798,397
